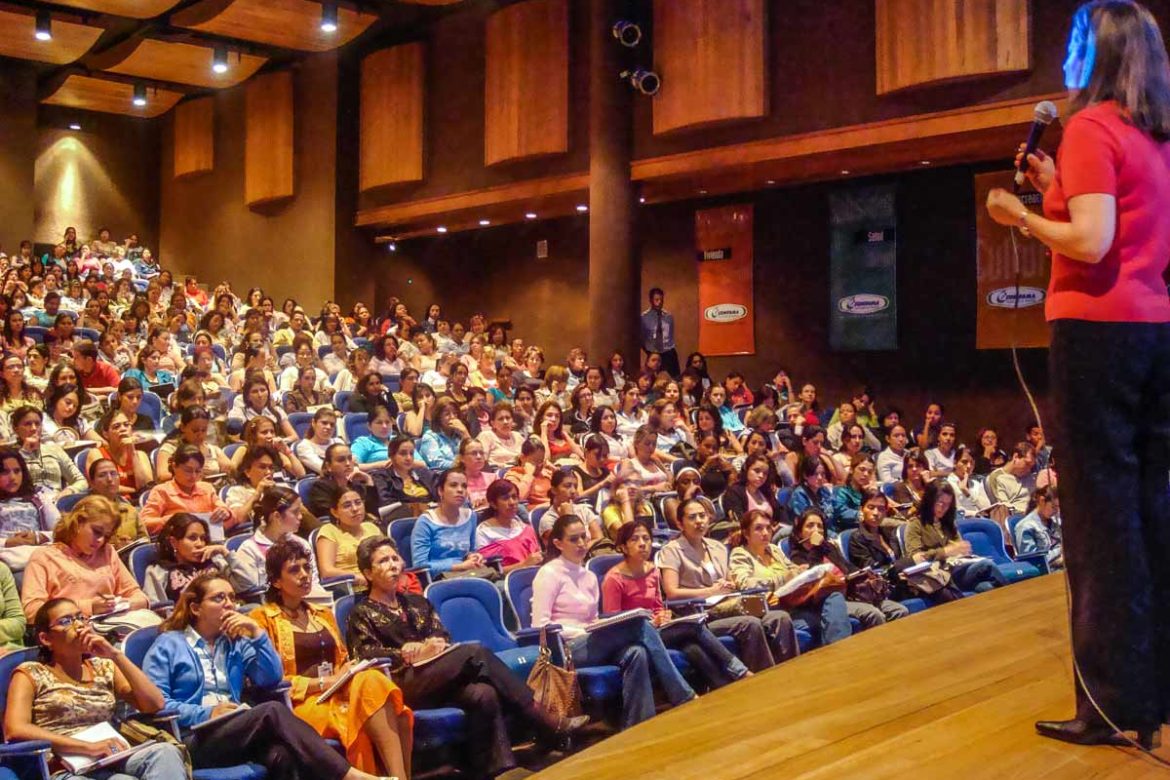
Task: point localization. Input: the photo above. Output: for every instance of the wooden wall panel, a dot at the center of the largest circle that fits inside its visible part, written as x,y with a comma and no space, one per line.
712,57
526,84
930,41
268,138
392,116
194,141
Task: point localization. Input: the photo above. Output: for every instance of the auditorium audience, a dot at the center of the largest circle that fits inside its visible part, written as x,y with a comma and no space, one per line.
184,553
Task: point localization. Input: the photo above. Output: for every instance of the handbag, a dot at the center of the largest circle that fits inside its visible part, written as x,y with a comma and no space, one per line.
137,732
749,604
554,688
867,586
814,593
930,581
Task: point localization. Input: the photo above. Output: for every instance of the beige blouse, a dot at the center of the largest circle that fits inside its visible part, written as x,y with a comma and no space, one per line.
748,571
66,707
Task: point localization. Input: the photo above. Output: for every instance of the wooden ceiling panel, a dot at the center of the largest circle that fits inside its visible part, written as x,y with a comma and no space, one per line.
112,97
180,63
70,40
137,9
291,24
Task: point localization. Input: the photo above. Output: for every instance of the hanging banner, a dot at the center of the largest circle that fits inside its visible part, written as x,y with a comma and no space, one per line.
727,317
863,297
1005,315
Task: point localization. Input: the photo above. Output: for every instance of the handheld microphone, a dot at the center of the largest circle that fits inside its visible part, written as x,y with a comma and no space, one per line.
1042,116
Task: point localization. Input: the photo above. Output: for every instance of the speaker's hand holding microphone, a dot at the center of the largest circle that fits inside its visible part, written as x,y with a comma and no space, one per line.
1040,170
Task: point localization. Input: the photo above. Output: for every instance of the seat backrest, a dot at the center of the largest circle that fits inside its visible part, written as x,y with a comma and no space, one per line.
8,664
534,518
986,538
66,503
518,588
89,333
233,542
400,531
901,534
472,611
303,486
141,557
36,333
785,546
341,400
888,489
151,406
300,422
1011,524
393,382
230,450
783,496
341,609
355,425
138,642
843,541
601,565
324,350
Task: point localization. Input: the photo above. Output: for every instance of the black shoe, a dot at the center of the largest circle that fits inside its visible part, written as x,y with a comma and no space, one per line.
1081,732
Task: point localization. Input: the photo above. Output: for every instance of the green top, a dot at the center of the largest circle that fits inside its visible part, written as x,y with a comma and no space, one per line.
11,615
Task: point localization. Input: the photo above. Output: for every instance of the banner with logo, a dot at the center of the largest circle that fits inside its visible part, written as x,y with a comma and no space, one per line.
724,240
1004,314
863,255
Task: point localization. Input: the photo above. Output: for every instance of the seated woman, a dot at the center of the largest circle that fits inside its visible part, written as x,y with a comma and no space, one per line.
261,430
255,359
184,553
337,542
15,390
310,451
186,492
439,445
813,491
847,497
842,423
258,470
276,515
594,473
370,392
642,469
811,547
729,418
889,460
674,435
941,457
969,493
356,366
63,423
25,520
134,471
304,395
371,451
443,538
933,536
755,490
192,430
604,425
367,716
708,422
558,445
695,567
255,400
471,462
81,564
852,438
906,495
756,562
634,584
566,593
52,471
405,628
500,442
205,624
1039,530
875,545
418,418
988,455
687,485
566,489
130,401
12,622
533,475
503,533
404,480
147,372
76,685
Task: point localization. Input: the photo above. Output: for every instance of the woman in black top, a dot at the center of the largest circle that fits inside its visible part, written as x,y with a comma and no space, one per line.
404,628
370,393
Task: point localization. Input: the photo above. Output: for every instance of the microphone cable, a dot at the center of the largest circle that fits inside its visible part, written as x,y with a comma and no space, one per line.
1165,763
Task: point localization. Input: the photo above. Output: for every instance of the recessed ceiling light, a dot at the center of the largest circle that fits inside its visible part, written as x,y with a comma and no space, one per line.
393,247
702,192
139,95
329,18
74,125
441,229
530,215
44,26
641,200
219,59
770,181
844,171
485,222
924,162
582,207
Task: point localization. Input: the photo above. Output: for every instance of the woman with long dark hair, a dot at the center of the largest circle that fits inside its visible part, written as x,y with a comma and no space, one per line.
934,536
1105,201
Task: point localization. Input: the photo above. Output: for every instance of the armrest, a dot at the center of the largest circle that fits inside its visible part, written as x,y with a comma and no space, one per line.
423,574
277,693
496,562
530,637
1037,559
251,595
342,584
29,747
683,606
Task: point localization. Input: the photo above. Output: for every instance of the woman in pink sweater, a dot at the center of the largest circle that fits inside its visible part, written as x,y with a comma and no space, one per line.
81,565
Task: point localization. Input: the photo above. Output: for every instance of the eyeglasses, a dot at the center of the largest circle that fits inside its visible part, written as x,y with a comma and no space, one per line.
221,598
66,622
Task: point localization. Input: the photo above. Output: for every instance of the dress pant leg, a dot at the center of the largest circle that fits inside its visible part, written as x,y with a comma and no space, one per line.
892,610
248,737
867,614
751,637
1102,409
781,633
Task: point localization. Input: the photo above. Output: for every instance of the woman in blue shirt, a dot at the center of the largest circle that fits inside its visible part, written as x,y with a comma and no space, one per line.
443,538
439,446
717,397
370,451
200,662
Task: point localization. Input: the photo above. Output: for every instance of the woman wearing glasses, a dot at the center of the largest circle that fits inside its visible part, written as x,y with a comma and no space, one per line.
75,685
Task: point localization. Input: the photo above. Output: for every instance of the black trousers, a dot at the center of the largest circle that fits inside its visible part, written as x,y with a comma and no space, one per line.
1111,393
271,735
472,678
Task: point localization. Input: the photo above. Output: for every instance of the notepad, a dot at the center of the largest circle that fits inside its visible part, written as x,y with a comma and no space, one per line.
100,732
229,714
344,679
620,617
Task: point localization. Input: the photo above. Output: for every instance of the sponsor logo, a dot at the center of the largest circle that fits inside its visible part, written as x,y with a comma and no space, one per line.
863,303
724,312
1009,298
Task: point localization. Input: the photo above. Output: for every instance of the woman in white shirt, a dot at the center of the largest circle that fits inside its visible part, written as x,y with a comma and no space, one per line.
631,416
970,495
500,442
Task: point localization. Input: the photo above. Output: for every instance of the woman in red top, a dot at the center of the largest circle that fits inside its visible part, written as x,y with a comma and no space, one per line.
633,584
1106,207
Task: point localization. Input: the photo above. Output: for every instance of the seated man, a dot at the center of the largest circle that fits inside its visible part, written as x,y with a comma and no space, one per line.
1013,483
97,377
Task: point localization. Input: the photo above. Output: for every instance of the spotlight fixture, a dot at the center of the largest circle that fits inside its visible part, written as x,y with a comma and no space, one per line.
484,222
530,215
44,26
74,125
702,192
844,172
329,18
139,95
628,33
581,207
641,200
924,162
392,247
645,81
441,229
219,59
770,181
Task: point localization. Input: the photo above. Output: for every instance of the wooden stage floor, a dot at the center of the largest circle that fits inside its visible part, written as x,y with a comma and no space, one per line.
952,691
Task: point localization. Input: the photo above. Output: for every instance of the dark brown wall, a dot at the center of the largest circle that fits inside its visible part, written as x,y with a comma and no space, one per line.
18,151
494,271
288,249
104,175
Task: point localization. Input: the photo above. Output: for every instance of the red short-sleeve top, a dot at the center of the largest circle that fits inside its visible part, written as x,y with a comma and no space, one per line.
1102,154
